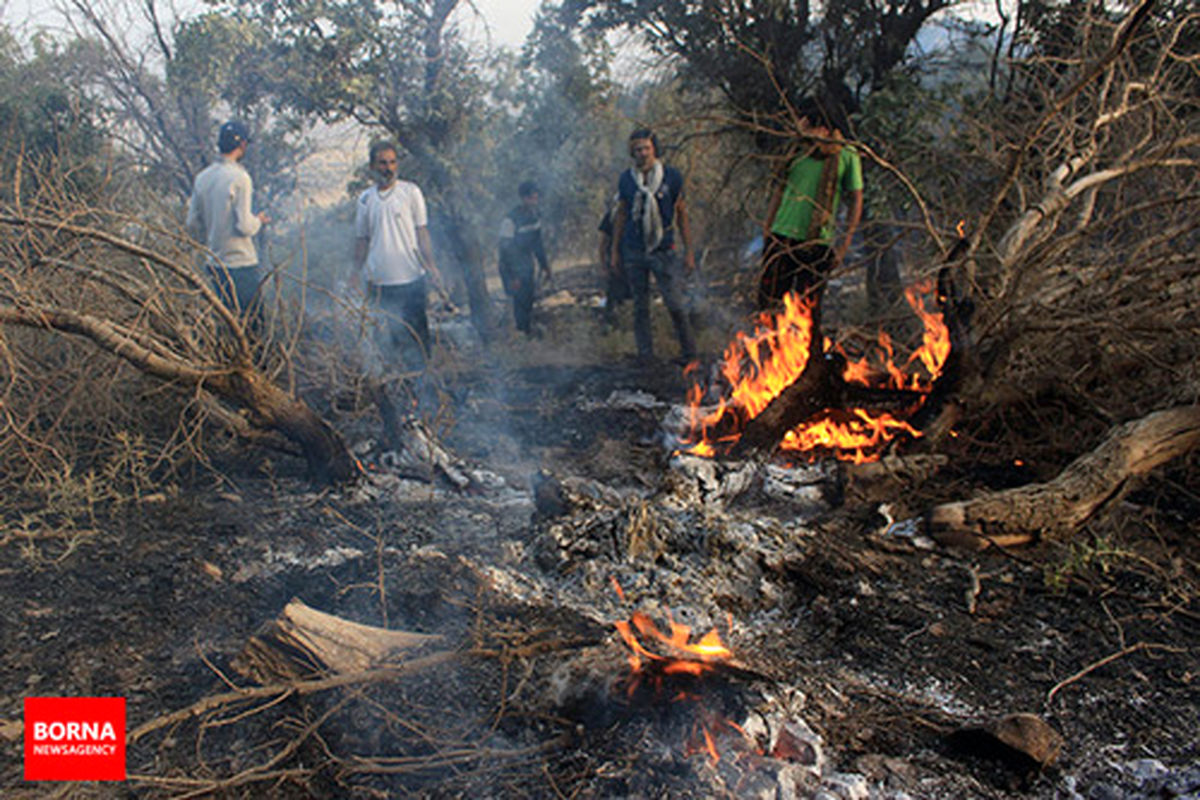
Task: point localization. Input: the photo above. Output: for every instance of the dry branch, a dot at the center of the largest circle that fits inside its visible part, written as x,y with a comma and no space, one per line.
302,641
1056,508
240,696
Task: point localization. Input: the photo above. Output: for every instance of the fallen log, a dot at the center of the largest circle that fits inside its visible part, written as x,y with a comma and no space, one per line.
1057,508
302,642
805,397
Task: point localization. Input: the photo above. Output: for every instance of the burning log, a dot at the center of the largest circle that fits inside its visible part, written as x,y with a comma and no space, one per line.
802,399
1055,509
790,388
303,641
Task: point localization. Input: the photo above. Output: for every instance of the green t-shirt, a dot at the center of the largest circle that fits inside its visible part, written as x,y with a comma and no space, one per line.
804,176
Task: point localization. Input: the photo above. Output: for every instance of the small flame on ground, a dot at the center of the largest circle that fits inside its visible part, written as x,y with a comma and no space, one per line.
677,655
617,587
696,656
961,228
710,745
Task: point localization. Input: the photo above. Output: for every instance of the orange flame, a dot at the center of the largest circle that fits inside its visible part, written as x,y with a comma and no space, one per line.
686,657
678,654
759,365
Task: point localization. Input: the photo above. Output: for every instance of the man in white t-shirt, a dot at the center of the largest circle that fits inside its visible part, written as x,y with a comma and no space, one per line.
394,253
219,215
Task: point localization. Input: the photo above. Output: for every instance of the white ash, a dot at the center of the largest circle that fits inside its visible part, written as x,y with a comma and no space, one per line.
283,559
623,400
812,487
707,482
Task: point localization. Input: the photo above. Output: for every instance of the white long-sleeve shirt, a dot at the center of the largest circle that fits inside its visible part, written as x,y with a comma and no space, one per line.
219,213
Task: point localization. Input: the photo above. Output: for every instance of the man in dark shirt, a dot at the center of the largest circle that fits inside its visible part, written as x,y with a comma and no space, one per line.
520,245
650,212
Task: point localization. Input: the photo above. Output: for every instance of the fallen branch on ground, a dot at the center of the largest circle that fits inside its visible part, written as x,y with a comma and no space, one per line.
1057,508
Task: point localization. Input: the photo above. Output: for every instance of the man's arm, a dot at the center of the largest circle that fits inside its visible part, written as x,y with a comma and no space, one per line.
539,252
245,221
779,178
619,217
852,220
425,253
606,262
361,245
685,234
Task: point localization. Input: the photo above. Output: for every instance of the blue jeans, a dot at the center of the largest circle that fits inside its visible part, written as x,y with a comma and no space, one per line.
238,289
668,273
405,320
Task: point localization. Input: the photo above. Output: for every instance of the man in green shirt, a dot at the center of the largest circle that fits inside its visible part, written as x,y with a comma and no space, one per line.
798,237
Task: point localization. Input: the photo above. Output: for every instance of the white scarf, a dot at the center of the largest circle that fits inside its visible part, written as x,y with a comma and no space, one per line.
645,205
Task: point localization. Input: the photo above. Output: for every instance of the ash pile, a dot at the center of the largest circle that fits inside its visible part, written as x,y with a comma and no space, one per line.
566,637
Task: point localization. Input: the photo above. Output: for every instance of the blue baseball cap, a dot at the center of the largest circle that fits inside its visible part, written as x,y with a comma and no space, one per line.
234,133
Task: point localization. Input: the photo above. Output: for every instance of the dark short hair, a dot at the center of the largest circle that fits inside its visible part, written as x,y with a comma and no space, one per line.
527,188
646,133
826,112
379,147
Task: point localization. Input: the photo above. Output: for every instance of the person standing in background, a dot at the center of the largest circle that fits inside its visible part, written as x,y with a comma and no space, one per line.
650,212
798,235
219,214
394,253
520,246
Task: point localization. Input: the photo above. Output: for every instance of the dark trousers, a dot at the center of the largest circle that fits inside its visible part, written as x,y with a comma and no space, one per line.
616,291
790,265
406,324
522,298
668,273
238,288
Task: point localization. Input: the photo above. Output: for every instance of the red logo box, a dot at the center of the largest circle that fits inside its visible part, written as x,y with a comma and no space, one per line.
75,738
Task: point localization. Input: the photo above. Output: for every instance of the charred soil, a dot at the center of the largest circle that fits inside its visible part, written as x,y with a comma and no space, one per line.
889,653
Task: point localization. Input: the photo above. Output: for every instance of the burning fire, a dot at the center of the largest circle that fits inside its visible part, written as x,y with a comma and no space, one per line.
696,658
757,366
660,656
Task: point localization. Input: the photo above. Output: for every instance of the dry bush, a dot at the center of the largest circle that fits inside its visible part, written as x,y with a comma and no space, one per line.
111,334
1082,263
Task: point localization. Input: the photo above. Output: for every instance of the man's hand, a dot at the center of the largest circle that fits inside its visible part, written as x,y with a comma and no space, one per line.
443,297
263,218
689,262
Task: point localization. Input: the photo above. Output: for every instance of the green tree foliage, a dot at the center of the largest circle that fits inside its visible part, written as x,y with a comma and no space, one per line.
167,83
401,69
45,117
759,51
561,125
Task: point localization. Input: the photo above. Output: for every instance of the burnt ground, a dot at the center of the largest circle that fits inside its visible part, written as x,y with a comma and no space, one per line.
881,648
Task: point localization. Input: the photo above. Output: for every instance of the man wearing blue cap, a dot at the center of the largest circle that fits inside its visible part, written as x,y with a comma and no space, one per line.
219,215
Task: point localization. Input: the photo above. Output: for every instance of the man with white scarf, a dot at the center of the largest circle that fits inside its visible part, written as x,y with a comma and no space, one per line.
650,212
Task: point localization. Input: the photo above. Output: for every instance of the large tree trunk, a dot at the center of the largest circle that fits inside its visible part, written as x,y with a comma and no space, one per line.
1056,508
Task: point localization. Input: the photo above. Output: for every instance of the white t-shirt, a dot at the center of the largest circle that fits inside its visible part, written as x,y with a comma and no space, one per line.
388,220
